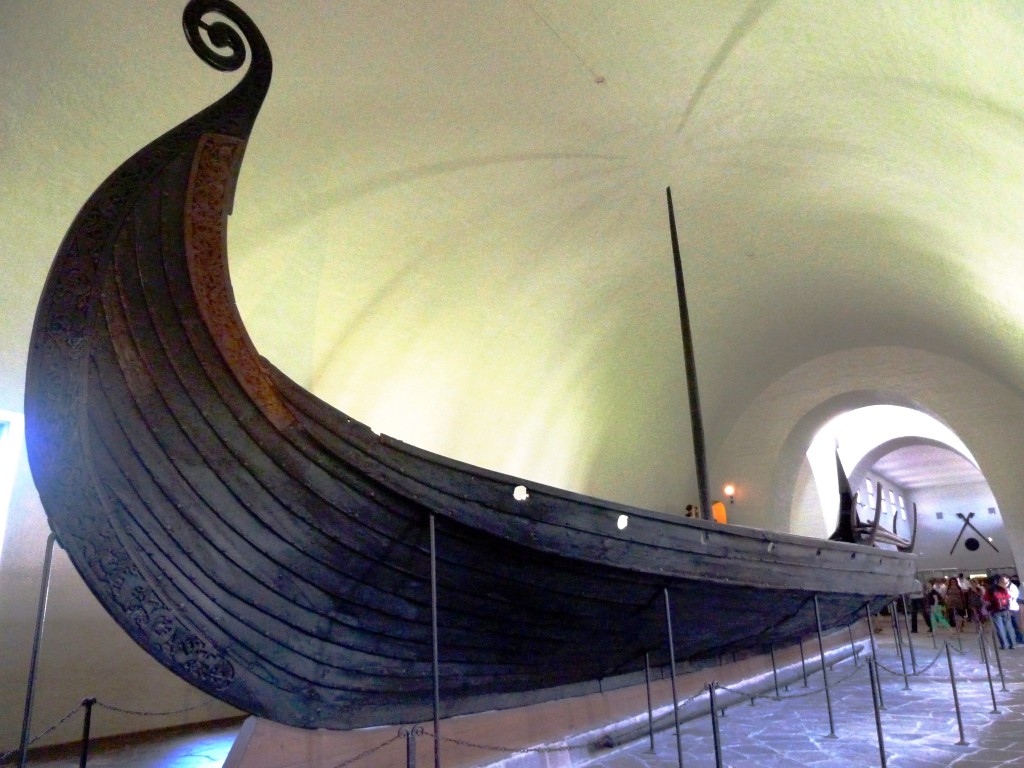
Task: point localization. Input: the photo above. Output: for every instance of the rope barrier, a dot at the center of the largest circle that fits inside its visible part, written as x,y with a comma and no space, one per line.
919,673
47,732
508,750
4,756
539,750
123,711
404,732
780,697
690,700
367,752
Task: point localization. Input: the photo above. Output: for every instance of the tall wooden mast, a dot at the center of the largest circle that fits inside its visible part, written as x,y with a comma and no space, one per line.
696,421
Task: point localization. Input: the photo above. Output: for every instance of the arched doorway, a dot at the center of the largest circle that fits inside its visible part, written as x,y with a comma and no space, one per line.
920,465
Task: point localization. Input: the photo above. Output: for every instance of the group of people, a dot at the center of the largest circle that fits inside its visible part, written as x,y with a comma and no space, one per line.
956,600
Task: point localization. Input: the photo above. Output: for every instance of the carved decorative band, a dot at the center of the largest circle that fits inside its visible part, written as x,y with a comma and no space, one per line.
211,186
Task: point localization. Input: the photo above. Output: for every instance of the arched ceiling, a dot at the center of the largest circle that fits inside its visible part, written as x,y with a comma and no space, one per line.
451,222
920,465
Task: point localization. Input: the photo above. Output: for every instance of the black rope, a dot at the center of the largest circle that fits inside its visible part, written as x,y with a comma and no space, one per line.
48,731
781,697
508,750
143,713
367,752
4,756
919,673
540,750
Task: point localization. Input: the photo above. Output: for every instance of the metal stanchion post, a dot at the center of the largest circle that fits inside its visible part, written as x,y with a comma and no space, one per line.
899,644
86,725
433,631
650,708
999,659
871,629
878,683
956,698
853,646
910,640
988,671
715,732
878,715
824,671
44,590
803,661
672,672
775,671
410,748
956,624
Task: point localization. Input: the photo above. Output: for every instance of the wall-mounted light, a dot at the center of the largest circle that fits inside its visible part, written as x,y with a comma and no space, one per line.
730,491
622,522
519,493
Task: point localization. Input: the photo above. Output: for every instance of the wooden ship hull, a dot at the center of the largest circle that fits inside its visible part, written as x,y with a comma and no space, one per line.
286,559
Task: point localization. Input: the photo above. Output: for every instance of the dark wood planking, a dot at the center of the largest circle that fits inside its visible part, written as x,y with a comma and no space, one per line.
274,552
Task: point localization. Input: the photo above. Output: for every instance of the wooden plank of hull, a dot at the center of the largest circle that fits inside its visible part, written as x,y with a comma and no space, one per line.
274,552
559,521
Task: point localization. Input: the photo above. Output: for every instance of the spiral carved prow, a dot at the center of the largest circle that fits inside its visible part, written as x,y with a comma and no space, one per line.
218,31
210,40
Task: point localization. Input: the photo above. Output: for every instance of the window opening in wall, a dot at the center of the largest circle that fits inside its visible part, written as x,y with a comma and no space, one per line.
870,496
12,431
903,506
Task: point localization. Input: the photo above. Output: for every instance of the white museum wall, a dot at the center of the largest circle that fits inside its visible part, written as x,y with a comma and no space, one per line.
83,652
941,543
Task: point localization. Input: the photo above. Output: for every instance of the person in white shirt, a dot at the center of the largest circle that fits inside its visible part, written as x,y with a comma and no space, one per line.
1014,589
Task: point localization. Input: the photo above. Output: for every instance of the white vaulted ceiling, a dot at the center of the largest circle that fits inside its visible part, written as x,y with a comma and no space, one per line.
926,466
451,221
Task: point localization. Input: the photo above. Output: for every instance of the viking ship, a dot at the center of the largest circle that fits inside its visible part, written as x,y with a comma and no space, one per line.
288,560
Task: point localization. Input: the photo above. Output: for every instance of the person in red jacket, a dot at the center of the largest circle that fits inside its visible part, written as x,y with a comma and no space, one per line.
999,606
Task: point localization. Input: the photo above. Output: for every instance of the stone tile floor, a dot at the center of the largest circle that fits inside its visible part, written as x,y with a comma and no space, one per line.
919,724
200,747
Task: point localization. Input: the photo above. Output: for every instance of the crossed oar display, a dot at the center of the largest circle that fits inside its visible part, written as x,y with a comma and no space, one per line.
967,522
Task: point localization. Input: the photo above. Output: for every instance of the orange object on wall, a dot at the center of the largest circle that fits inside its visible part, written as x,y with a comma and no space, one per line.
718,513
